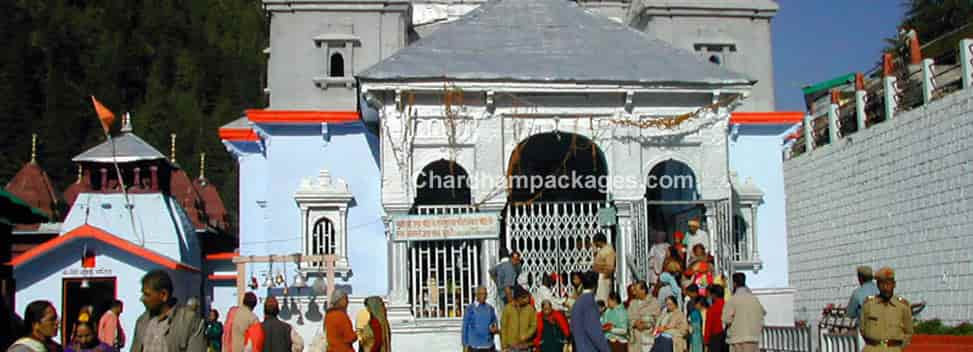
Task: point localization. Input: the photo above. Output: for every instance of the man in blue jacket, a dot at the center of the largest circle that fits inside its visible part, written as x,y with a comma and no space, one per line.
479,324
585,319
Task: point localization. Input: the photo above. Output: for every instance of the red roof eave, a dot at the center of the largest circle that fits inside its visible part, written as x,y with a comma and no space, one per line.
88,231
221,256
219,277
767,118
301,116
238,135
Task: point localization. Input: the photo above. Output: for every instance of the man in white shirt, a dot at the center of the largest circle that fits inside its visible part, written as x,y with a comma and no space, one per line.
545,293
694,237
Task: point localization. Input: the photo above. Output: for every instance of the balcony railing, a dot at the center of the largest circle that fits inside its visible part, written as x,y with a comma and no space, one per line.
902,87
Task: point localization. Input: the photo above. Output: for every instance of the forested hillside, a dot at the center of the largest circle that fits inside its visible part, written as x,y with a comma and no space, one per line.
179,66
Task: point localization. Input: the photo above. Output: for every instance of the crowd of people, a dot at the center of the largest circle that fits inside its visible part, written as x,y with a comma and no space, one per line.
167,326
681,306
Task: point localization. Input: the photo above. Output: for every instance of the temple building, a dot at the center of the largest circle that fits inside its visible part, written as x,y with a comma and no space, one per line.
120,223
373,104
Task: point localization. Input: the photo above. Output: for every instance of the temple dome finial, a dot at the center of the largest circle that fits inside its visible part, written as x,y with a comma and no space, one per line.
126,123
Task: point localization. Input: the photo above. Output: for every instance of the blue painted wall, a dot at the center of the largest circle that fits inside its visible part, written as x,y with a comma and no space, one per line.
272,175
42,278
756,153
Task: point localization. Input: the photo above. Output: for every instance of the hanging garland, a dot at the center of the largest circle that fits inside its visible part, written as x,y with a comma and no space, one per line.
669,123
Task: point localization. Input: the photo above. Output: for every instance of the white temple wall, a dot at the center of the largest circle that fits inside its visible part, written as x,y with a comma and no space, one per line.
485,141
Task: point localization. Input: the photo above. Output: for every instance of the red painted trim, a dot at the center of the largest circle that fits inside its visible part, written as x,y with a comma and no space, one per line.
767,118
221,256
940,343
238,135
301,116
216,277
88,231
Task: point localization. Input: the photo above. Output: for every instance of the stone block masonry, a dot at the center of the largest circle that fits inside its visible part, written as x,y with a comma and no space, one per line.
899,193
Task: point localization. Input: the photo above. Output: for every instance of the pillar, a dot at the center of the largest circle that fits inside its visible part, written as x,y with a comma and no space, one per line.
808,127
833,118
928,84
891,97
966,60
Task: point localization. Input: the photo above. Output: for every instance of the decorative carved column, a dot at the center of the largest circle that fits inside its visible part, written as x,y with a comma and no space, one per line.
625,226
399,310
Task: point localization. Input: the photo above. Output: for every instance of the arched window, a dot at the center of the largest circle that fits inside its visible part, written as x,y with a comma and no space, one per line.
337,65
323,239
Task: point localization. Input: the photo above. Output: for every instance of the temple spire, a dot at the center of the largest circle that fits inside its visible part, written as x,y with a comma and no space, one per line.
172,148
202,165
33,148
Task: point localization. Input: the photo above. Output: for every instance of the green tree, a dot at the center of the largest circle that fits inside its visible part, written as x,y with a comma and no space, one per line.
179,66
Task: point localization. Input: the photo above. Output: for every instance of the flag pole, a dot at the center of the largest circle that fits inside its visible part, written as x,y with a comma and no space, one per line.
106,117
121,180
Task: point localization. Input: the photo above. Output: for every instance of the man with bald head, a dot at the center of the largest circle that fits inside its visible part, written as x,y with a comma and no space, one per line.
479,324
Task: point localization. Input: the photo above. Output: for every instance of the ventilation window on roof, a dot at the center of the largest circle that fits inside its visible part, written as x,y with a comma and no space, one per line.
715,59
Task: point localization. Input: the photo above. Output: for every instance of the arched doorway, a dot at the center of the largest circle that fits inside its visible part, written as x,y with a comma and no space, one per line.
557,183
671,200
541,162
442,274
442,182
672,197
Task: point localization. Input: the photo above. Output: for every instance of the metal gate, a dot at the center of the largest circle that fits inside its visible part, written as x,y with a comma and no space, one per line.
718,223
553,237
443,275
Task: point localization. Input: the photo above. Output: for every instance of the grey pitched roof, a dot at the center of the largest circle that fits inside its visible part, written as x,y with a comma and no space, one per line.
764,5
128,148
545,41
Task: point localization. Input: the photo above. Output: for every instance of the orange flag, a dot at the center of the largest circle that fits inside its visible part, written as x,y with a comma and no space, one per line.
104,115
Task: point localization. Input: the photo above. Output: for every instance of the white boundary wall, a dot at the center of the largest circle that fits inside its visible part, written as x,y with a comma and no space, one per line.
899,193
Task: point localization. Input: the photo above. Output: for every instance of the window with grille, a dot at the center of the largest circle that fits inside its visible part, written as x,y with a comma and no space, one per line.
323,238
443,277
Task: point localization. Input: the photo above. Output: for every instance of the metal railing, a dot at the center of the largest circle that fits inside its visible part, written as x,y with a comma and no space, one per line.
829,342
443,275
904,88
786,339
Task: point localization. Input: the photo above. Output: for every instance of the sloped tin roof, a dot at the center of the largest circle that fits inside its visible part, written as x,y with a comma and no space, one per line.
128,148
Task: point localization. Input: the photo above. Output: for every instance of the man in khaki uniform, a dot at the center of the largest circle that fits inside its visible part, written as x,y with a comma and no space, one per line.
886,319
604,265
